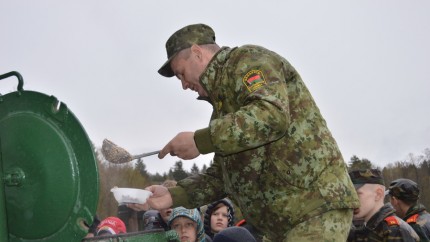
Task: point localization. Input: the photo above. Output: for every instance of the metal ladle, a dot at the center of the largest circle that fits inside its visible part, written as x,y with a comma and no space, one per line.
115,154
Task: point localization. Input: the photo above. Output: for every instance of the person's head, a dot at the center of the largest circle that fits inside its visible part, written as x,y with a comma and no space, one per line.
188,224
218,216
189,50
234,234
370,188
151,220
111,226
403,193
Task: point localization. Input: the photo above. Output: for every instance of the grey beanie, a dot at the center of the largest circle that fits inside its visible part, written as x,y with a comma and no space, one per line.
234,234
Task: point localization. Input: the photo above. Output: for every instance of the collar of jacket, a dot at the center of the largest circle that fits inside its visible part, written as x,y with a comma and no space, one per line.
210,75
414,209
377,218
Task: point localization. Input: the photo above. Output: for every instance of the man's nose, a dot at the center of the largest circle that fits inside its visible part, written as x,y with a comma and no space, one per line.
184,85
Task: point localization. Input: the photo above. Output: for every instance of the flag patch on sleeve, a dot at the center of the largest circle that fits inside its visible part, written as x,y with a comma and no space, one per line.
253,80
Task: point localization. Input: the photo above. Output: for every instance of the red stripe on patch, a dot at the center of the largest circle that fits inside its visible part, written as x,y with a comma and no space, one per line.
251,79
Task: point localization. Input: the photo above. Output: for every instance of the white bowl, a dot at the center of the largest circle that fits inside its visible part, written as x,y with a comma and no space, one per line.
130,195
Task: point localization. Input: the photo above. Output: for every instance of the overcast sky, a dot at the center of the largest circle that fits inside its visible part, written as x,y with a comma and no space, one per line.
367,64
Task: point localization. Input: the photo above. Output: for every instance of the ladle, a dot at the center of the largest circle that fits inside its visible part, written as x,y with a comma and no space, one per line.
115,154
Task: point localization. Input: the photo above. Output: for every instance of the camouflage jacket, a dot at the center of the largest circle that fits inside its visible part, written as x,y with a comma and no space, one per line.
419,219
274,155
384,226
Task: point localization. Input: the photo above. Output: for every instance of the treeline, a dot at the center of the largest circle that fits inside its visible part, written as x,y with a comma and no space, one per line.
135,175
414,167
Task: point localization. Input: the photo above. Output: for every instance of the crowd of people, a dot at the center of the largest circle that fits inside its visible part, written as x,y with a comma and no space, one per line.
402,218
274,158
390,213
191,225
201,224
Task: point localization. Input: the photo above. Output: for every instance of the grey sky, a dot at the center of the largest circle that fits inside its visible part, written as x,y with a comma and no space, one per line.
365,62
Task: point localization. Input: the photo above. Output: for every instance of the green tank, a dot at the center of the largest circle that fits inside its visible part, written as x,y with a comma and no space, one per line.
48,170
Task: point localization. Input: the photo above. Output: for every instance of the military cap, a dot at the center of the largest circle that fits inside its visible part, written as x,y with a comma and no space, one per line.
366,176
184,38
404,189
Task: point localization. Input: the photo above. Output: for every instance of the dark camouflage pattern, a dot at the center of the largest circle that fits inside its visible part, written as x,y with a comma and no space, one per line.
366,176
184,38
331,226
377,229
404,189
274,155
420,224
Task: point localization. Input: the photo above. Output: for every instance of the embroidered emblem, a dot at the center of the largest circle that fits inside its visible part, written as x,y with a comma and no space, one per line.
253,80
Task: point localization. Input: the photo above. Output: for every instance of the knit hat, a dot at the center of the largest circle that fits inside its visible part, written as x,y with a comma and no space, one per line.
234,234
210,210
111,225
367,176
404,189
192,214
184,38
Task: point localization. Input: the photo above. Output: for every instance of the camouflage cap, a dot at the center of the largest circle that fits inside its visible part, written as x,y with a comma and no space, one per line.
404,189
184,38
367,176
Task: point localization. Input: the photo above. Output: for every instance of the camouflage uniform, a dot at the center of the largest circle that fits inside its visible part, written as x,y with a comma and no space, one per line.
384,226
416,216
419,219
274,155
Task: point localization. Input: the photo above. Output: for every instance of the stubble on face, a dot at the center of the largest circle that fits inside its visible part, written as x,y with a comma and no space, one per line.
188,67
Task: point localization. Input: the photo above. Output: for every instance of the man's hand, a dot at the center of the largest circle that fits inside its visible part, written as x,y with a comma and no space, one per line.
182,146
160,199
138,207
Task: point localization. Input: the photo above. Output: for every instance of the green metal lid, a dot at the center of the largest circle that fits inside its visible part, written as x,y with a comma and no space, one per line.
48,169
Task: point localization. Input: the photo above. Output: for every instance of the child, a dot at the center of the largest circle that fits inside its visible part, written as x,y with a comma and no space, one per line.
188,224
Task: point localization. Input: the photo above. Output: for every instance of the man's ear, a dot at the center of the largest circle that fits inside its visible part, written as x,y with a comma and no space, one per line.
197,51
380,192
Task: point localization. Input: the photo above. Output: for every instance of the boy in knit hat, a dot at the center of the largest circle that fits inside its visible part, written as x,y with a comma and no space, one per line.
404,195
380,222
188,224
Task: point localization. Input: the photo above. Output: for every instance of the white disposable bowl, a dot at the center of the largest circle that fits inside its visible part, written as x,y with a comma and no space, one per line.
130,195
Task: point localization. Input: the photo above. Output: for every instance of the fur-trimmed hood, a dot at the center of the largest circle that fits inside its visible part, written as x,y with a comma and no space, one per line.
209,211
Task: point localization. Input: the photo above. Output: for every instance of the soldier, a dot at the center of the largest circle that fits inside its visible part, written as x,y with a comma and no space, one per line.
274,155
404,195
380,222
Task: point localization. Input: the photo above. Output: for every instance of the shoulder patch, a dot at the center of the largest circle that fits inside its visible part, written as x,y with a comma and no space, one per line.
391,220
241,222
253,80
412,219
